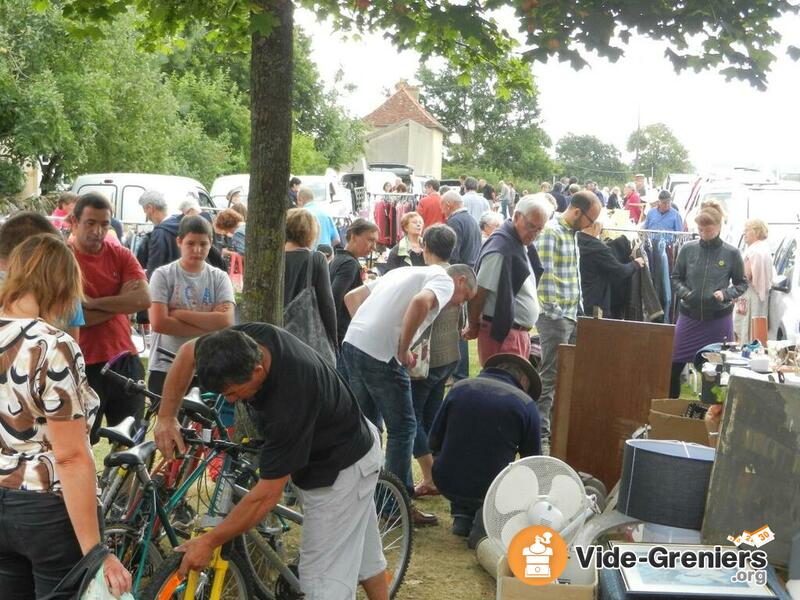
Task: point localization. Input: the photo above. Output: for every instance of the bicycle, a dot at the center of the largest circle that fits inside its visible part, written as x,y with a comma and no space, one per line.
135,544
117,486
272,560
265,558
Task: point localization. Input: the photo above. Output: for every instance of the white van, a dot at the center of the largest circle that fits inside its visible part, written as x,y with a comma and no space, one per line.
327,190
775,203
124,190
227,183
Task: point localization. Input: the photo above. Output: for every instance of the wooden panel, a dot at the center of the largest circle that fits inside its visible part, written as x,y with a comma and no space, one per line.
620,366
756,475
559,425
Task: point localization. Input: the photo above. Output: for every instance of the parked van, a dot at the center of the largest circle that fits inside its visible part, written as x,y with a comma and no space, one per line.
124,190
775,203
326,189
227,183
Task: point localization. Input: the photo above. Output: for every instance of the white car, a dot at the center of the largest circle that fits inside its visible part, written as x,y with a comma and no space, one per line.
124,189
784,297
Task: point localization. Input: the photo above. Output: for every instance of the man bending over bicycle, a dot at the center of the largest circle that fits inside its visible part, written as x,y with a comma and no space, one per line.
314,432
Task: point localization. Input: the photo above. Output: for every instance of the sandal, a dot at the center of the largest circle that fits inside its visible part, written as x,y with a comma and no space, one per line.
423,489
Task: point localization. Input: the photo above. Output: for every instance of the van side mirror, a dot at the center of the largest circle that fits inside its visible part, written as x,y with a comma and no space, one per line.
781,284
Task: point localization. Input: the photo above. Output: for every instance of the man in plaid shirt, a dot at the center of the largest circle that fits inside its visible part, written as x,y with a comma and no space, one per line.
560,293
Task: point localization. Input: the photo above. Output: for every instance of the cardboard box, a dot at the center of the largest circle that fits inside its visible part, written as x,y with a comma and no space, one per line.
668,423
511,588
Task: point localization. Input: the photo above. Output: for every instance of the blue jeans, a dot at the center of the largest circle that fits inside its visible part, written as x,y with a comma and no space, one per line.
384,390
427,395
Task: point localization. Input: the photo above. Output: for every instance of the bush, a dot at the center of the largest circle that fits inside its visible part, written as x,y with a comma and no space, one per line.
12,179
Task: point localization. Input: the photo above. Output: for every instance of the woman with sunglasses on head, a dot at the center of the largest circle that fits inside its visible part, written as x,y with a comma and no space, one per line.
48,485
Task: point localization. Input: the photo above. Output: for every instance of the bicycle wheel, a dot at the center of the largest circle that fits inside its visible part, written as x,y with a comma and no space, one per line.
166,584
124,542
394,525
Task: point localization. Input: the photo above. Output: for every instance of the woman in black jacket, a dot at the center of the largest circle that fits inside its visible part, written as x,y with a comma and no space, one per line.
302,230
708,276
600,269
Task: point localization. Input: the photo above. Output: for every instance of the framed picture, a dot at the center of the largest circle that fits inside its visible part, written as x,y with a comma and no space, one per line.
644,579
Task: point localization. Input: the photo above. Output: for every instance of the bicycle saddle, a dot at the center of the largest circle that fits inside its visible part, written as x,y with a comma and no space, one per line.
197,410
132,457
119,434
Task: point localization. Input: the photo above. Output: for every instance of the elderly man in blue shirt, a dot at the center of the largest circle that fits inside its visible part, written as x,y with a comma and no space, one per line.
664,216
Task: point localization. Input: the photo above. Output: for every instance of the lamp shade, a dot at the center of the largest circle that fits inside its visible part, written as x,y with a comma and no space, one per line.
665,482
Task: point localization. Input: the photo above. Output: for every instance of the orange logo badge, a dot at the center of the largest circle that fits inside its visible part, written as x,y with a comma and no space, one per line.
537,555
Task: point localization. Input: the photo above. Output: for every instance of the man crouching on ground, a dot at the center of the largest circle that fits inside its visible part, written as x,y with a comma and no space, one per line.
314,431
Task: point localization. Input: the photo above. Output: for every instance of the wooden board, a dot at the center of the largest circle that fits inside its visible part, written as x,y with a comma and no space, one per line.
619,367
756,476
559,425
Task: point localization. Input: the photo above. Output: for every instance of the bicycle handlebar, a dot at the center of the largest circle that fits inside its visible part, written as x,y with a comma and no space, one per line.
114,359
190,437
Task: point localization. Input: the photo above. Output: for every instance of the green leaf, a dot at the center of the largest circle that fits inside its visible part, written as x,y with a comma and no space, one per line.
263,23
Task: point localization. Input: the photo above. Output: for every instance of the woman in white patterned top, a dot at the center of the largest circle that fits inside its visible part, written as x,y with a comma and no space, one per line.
48,484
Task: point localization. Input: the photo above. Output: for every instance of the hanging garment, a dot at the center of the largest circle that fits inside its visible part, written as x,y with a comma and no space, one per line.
666,283
643,304
620,293
381,216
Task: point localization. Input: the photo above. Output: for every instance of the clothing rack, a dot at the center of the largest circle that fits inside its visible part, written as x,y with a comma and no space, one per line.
386,210
644,244
653,231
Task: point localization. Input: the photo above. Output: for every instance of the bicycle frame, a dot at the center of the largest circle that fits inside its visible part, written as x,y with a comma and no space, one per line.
159,513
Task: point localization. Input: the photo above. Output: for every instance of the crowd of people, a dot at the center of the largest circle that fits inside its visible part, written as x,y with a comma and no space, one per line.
472,264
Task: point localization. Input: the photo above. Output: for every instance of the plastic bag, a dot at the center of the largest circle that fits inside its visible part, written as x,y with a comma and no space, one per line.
98,590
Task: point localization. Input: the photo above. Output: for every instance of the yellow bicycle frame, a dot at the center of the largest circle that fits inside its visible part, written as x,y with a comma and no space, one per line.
220,568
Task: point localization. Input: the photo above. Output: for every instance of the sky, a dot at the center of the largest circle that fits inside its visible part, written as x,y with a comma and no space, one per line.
722,124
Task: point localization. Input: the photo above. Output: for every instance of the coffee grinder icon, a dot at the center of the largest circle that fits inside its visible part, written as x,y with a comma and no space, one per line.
537,557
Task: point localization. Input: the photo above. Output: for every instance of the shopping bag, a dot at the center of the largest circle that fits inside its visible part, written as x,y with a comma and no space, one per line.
302,319
422,352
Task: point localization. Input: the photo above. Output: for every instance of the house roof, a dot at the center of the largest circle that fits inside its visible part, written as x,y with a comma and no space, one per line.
402,106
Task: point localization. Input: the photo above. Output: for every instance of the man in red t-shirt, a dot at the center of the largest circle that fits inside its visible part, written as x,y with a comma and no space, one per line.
115,286
430,207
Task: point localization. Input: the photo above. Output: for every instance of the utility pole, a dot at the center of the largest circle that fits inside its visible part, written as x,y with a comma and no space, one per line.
638,130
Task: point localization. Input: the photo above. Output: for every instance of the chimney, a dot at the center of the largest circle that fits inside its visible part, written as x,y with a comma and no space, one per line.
413,91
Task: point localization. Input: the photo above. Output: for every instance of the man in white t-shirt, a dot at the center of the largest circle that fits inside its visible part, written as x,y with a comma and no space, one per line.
389,315
189,298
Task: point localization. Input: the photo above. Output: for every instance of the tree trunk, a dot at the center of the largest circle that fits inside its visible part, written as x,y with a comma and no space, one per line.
51,173
271,82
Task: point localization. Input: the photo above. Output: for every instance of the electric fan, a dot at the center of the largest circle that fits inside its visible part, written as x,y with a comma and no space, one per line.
537,490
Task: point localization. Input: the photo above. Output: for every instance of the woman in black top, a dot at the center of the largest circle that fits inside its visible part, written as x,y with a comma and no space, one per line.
301,232
408,251
345,270
613,199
